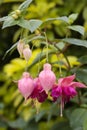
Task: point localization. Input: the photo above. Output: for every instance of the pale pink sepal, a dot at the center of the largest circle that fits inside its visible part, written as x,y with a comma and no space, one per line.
66,81
77,84
26,85
47,77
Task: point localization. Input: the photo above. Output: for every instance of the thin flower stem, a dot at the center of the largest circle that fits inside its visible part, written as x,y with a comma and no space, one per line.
46,46
69,66
79,97
26,68
61,107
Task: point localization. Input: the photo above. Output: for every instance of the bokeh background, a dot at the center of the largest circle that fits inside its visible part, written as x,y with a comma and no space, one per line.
15,114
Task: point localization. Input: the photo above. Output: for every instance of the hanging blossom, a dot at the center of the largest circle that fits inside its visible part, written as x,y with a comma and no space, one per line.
65,90
26,85
47,77
39,87
31,88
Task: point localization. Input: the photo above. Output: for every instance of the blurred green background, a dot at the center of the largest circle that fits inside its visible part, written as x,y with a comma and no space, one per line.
14,113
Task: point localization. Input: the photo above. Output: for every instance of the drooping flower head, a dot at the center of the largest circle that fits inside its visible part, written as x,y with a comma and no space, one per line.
38,92
66,88
26,85
27,52
20,47
47,77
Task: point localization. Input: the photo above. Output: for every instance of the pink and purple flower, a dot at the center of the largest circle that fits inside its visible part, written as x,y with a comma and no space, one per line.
66,88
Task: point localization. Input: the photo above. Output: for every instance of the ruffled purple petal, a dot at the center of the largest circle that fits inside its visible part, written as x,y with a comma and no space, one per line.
42,96
38,92
56,92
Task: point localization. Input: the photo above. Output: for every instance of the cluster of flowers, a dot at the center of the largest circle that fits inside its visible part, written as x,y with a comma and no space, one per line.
39,87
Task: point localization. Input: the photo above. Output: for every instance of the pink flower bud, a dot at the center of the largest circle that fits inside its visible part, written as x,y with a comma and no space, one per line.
47,77
26,85
20,47
27,52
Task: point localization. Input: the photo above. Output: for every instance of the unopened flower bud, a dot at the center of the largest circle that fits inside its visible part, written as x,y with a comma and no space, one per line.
27,52
15,16
18,12
20,47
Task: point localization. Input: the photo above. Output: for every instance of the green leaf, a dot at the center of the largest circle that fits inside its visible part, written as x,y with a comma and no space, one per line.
9,21
32,25
24,5
72,18
83,59
40,115
85,124
9,50
50,20
77,118
75,42
60,45
77,28
81,75
31,124
1,106
51,111
63,18
3,18
19,123
35,38
61,124
3,123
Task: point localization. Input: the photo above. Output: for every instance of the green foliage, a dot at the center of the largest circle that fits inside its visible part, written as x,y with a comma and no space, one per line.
56,29
76,42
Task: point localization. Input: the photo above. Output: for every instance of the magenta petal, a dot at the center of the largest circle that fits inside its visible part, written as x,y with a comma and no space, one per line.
66,81
38,92
56,92
72,91
42,96
77,84
68,91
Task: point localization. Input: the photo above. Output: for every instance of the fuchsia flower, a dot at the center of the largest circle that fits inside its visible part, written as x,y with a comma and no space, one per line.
47,77
66,88
38,92
26,85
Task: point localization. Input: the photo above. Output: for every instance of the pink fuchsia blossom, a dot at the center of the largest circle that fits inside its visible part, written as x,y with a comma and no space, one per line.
38,91
47,77
27,52
66,88
26,85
